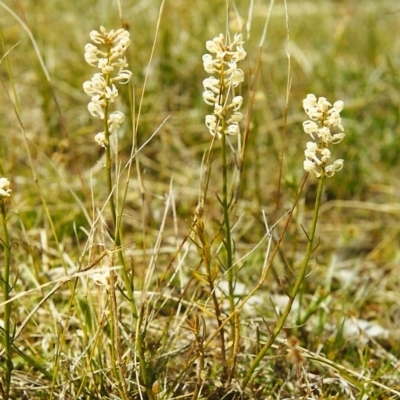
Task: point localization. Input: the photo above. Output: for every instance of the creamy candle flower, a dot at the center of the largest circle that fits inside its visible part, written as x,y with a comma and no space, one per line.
219,90
325,128
108,56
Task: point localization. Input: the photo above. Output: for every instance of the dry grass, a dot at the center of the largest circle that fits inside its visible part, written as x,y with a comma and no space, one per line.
341,338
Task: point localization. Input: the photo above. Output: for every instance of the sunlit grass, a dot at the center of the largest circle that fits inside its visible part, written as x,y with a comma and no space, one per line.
340,340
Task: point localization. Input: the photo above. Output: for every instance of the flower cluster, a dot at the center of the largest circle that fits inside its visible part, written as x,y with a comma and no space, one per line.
110,60
5,190
219,90
325,128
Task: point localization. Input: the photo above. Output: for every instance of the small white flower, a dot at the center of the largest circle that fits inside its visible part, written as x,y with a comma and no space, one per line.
311,128
236,78
212,84
310,99
123,77
118,36
5,190
325,155
219,110
311,149
212,125
209,97
96,86
211,121
91,54
240,54
100,139
237,102
96,106
120,48
104,66
111,93
233,129
311,153
336,166
99,81
210,65
115,120
89,89
338,137
97,37
236,117
333,120
311,108
338,106
216,45
323,104
314,113
325,134
120,63
309,166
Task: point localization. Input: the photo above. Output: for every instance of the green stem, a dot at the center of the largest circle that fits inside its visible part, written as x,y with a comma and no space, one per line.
228,238
116,348
295,288
211,276
7,306
125,276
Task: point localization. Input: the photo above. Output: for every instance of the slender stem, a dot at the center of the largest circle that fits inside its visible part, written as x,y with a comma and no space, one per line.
116,352
199,230
227,238
125,276
7,306
295,288
211,276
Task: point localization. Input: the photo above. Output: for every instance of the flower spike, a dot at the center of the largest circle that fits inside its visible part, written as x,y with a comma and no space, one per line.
111,62
325,128
219,89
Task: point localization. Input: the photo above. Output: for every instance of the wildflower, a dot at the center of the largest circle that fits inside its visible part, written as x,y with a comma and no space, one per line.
331,169
106,54
123,77
325,128
100,139
96,106
237,102
212,125
104,66
233,129
5,190
91,53
111,93
115,120
219,90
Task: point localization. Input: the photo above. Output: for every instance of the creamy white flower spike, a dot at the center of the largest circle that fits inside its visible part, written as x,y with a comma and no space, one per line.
107,54
219,90
325,128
